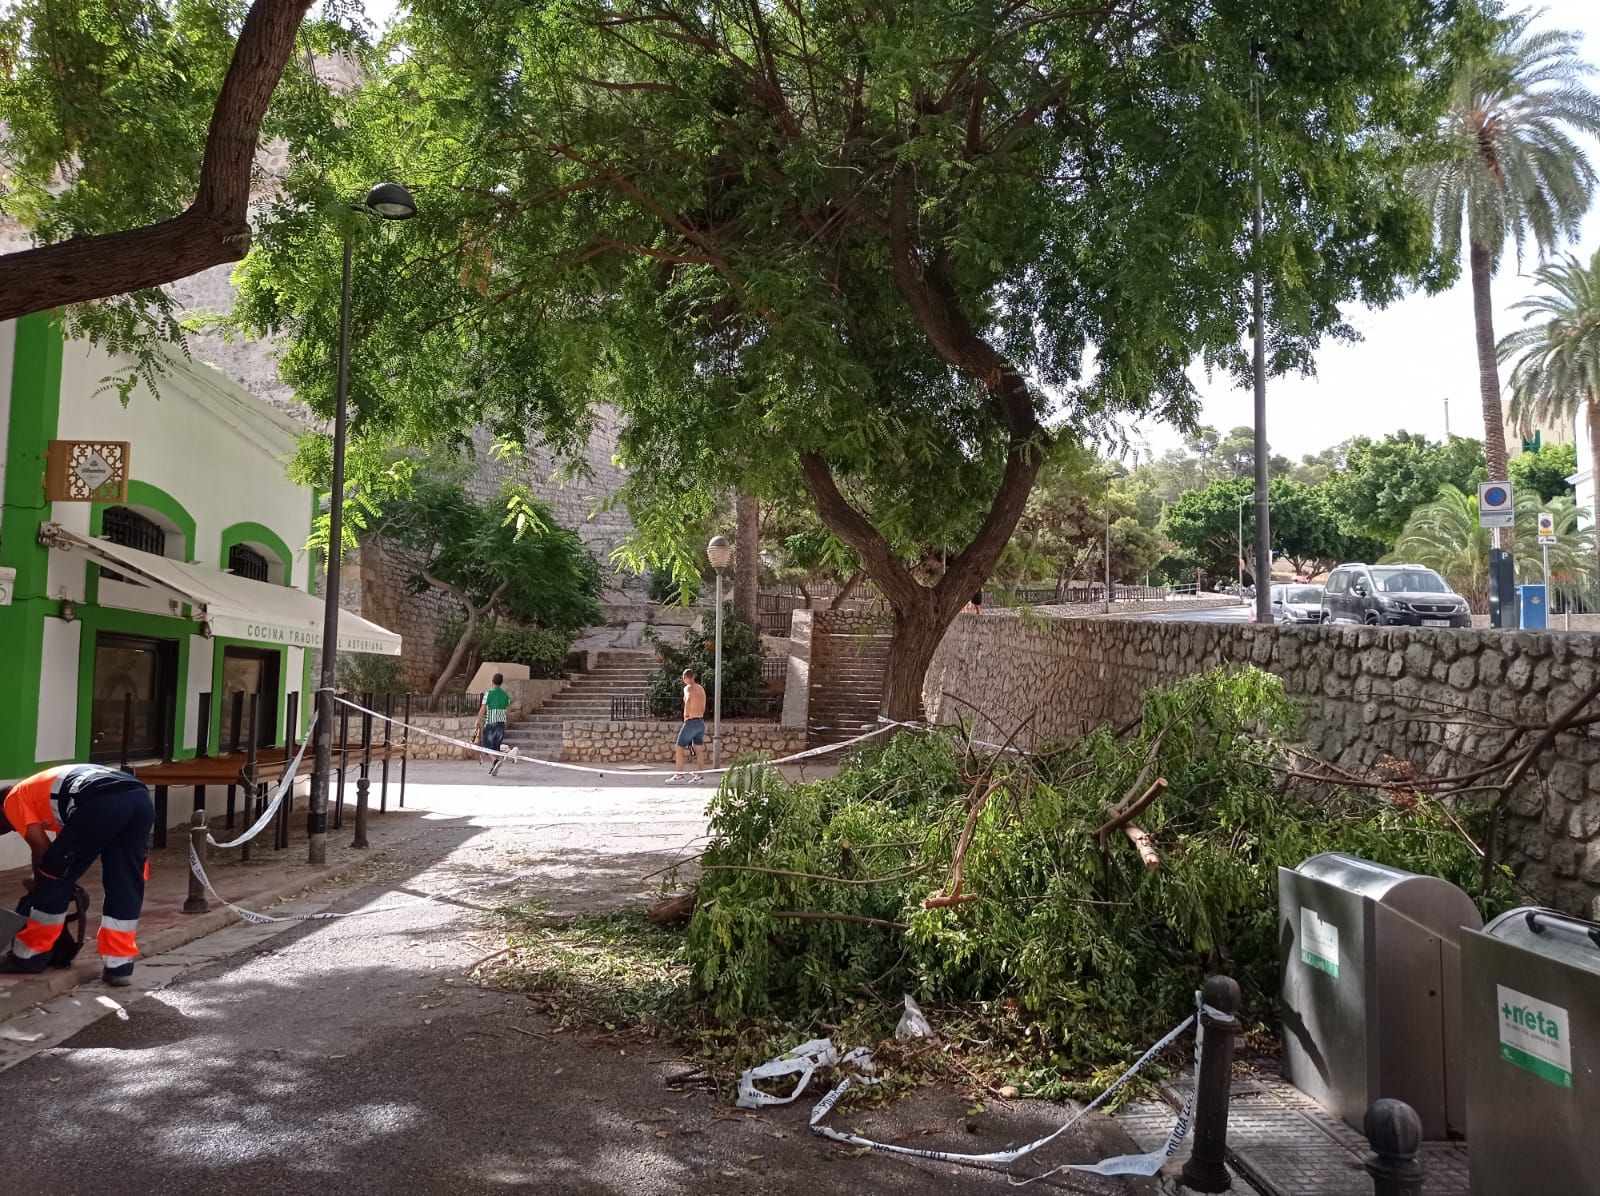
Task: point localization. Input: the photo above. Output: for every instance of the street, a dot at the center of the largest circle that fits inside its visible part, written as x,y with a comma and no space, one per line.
1215,614
358,1056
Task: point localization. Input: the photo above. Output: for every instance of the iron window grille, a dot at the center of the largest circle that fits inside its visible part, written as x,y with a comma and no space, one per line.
124,526
244,561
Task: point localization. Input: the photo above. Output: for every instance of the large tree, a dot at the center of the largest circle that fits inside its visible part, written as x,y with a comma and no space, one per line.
859,252
1384,480
129,134
1511,168
1556,372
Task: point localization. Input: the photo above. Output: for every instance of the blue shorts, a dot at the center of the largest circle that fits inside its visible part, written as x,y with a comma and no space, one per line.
693,733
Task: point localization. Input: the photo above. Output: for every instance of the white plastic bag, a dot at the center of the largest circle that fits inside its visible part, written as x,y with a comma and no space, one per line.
913,1023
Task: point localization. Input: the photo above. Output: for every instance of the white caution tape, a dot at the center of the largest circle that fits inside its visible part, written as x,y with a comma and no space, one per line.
511,756
1140,1164
285,784
259,919
803,1061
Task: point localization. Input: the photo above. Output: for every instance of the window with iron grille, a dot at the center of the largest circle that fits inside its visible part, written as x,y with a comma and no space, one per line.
132,530
126,527
244,561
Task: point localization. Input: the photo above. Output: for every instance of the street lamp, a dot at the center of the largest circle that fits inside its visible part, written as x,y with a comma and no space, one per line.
720,553
387,201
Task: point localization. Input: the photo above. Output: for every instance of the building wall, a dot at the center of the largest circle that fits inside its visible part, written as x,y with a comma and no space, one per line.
1369,693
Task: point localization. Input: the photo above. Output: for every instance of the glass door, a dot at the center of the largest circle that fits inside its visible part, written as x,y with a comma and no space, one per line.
133,698
249,671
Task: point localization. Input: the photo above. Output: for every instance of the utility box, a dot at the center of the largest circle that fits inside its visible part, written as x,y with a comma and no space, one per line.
1530,987
1371,988
1535,613
1502,591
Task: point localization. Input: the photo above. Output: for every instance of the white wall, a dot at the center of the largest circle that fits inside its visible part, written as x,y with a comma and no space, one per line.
1584,480
8,346
57,737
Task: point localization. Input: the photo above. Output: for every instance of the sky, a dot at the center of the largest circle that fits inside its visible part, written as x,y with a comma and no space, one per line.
1416,366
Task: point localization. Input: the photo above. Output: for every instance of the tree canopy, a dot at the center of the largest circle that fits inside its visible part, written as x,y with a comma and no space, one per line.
862,254
1384,480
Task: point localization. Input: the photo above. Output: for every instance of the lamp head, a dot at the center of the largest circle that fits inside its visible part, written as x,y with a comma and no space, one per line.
392,202
720,553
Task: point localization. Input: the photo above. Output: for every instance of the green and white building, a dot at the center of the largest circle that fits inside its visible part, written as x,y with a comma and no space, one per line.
197,582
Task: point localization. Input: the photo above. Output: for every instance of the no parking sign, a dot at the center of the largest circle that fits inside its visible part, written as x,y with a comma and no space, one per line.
1494,504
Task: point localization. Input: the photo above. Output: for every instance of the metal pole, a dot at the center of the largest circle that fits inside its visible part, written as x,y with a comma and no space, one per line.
1546,548
1395,1132
1110,598
388,739
195,902
363,782
344,762
1263,517
1206,1169
317,811
202,744
250,770
716,727
1241,550
236,716
405,749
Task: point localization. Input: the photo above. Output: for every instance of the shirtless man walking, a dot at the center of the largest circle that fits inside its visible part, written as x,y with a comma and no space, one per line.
692,735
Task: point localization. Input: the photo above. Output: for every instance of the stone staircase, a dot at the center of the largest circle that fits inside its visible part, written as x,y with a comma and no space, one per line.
588,699
847,670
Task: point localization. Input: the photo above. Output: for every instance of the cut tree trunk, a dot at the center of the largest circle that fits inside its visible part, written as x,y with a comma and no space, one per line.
747,560
1494,420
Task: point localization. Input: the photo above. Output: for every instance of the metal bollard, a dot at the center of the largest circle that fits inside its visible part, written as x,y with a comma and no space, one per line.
1206,1168
195,902
363,784
1395,1132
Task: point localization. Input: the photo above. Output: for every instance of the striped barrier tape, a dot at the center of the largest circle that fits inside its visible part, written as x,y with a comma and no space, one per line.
1132,1164
513,757
285,783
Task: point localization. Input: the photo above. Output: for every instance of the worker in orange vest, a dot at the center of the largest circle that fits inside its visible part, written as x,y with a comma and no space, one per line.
92,811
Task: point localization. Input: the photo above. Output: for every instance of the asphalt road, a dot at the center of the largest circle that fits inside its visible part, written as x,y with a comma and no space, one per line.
356,1056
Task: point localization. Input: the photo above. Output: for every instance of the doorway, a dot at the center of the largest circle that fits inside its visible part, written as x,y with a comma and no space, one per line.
134,697
249,671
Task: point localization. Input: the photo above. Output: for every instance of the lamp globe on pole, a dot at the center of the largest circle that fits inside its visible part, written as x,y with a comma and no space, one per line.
387,201
720,553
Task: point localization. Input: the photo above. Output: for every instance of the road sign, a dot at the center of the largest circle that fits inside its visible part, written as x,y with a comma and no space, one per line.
1547,527
1495,507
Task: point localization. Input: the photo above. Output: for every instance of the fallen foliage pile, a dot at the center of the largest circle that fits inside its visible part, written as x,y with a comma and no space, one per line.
1064,905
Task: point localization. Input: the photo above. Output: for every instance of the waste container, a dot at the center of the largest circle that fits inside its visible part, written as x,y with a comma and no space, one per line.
1530,988
1370,979
1535,615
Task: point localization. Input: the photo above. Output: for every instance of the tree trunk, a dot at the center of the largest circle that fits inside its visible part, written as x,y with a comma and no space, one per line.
214,229
846,589
448,673
917,635
1494,420
1593,412
747,560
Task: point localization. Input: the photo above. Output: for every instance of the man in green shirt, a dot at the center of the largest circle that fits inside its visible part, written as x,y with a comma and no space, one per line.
492,715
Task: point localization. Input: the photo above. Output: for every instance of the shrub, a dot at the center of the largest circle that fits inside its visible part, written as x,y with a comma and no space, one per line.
544,651
368,673
741,666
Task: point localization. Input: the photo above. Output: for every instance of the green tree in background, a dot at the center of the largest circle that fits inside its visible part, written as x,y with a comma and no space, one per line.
1545,472
1205,524
1511,168
1385,480
489,562
832,248
1445,536
1556,374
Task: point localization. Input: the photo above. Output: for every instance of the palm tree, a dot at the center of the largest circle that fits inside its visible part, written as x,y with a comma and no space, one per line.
1445,536
1511,169
1557,370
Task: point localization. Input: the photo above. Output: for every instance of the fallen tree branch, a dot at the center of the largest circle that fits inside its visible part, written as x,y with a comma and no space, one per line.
836,880
1122,817
1147,849
806,915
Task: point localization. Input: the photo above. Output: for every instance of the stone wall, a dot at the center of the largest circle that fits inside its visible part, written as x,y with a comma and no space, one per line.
651,742
1368,693
457,726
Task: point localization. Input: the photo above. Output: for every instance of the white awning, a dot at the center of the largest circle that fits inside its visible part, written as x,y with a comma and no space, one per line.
232,606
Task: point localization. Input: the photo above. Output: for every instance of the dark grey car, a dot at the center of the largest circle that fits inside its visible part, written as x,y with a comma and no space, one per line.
1393,595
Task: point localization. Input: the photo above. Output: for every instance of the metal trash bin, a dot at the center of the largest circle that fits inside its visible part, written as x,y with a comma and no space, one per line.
1530,984
1370,982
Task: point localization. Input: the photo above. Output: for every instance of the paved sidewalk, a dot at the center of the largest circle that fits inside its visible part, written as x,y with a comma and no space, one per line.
1282,1143
269,877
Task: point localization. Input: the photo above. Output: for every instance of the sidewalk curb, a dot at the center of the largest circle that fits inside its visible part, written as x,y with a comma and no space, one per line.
195,926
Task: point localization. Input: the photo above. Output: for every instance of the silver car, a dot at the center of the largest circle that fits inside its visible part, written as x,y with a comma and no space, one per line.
1296,603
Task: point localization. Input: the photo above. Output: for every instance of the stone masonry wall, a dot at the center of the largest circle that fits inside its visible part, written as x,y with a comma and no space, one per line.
651,742
1368,693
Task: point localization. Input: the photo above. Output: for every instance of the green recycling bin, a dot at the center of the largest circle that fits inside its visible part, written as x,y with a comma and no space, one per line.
1369,982
1530,990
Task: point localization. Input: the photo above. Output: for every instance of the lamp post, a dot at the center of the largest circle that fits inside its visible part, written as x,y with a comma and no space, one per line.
388,201
720,553
1242,501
